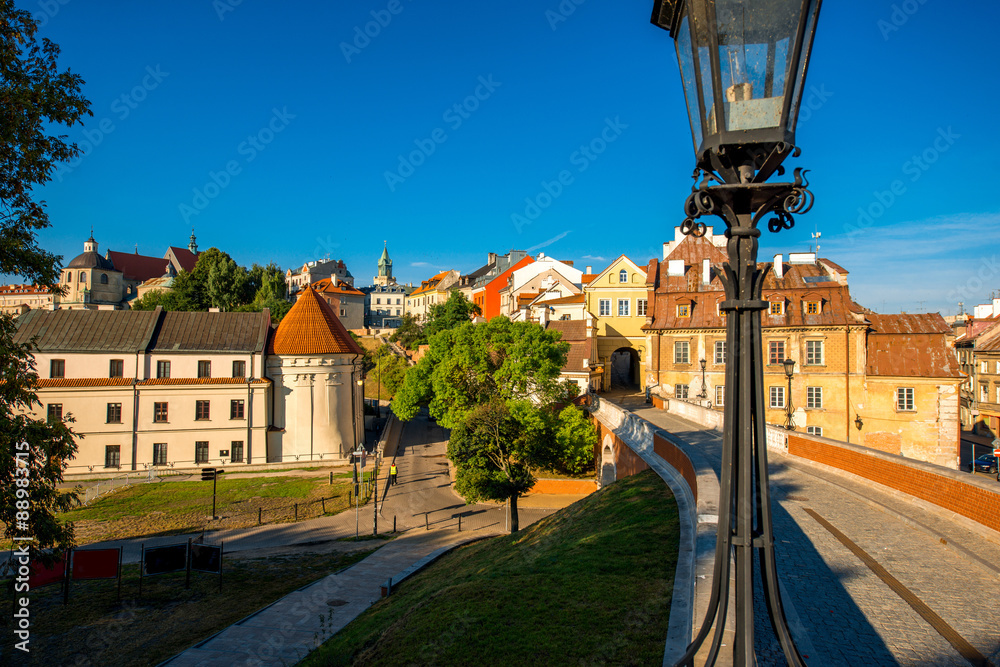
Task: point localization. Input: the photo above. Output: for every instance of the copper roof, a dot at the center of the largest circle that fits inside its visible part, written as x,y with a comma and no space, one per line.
87,330
311,327
910,346
212,332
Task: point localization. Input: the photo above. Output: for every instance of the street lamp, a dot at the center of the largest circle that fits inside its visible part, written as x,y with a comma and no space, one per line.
789,368
704,387
364,431
743,66
857,421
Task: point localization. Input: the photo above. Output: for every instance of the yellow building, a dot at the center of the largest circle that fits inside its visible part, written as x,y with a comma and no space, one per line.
894,375
435,290
617,299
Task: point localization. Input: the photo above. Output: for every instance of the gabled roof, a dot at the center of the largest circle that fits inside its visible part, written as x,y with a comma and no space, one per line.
330,286
139,267
574,332
910,346
88,330
311,327
212,332
613,266
184,257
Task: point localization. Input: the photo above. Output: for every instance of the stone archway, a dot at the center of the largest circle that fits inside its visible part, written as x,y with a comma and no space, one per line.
609,471
624,368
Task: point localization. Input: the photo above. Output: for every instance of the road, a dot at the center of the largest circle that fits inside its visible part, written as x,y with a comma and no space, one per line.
874,579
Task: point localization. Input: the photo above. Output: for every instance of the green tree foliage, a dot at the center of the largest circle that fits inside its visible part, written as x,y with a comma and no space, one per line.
409,333
388,370
495,384
35,98
454,312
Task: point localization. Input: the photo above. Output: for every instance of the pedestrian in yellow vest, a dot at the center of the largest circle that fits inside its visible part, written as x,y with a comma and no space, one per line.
392,474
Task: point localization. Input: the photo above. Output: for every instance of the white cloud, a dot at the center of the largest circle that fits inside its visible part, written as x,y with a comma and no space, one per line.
549,242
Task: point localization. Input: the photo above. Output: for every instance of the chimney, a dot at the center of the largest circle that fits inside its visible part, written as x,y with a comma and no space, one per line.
586,363
779,266
543,315
706,271
589,270
675,267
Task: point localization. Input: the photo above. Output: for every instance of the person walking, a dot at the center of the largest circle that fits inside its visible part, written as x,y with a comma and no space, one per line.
392,475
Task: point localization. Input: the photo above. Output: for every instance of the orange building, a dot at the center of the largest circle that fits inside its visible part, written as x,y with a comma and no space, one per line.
488,297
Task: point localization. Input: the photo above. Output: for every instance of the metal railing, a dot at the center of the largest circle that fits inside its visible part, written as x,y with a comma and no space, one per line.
105,486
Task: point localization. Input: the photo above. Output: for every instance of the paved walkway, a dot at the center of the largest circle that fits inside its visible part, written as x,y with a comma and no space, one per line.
422,503
873,579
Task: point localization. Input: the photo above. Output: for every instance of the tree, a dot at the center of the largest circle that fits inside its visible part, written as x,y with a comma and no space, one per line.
495,384
409,333
388,370
34,98
454,312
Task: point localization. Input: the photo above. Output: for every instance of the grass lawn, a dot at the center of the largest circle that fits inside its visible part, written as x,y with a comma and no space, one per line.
590,584
165,508
95,629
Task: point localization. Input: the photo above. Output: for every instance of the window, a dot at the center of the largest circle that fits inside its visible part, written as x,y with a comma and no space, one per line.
113,456
114,413
814,397
343,312
104,279
985,391
776,352
776,308
204,369
623,276
162,369
682,352
83,277
397,312
397,302
239,369
604,308
235,409
201,410
236,452
201,451
998,368
641,306
54,412
623,305
159,454
777,397
904,399
814,430
720,351
983,367
814,352
117,368
378,302
680,391
720,395
160,412
683,310
57,368
812,307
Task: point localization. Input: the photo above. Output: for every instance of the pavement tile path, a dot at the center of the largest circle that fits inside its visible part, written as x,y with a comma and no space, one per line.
849,614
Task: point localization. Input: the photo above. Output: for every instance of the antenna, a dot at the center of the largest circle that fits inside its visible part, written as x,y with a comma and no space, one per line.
816,236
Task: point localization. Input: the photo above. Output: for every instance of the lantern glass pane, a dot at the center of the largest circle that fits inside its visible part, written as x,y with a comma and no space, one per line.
755,40
800,74
685,57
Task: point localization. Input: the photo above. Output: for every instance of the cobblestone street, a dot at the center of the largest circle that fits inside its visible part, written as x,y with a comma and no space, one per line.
935,601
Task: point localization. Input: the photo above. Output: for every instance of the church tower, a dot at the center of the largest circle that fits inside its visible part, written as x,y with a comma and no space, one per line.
384,276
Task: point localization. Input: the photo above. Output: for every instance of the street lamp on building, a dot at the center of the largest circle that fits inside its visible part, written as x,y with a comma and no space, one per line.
789,369
704,387
743,66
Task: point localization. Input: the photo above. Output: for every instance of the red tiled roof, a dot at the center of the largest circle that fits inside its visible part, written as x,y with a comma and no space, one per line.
138,267
84,382
588,278
574,332
693,249
929,323
24,289
573,298
185,258
311,327
328,286
153,382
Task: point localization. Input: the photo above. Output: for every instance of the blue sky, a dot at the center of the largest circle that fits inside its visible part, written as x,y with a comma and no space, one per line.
277,132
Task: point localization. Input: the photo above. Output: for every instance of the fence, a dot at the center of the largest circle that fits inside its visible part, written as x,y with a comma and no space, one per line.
104,486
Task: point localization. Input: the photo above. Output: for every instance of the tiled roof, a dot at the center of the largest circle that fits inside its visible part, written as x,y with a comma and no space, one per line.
44,383
24,289
574,332
87,330
185,257
311,327
212,332
329,286
696,248
573,298
138,267
910,346
588,278
153,382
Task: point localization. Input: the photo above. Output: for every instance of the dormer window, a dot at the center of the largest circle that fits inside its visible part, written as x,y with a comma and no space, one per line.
812,307
776,308
684,310
623,276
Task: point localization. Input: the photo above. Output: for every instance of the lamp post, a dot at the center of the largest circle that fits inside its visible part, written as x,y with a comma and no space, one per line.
743,66
789,369
704,387
364,431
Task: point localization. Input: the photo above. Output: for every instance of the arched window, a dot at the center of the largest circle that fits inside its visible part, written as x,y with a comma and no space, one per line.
104,279
83,277
623,276
69,276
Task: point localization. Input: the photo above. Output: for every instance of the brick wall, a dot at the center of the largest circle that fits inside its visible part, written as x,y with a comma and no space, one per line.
944,488
678,460
627,462
572,486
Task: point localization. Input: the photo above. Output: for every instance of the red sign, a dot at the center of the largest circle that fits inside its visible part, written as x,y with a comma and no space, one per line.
43,576
96,564
996,452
